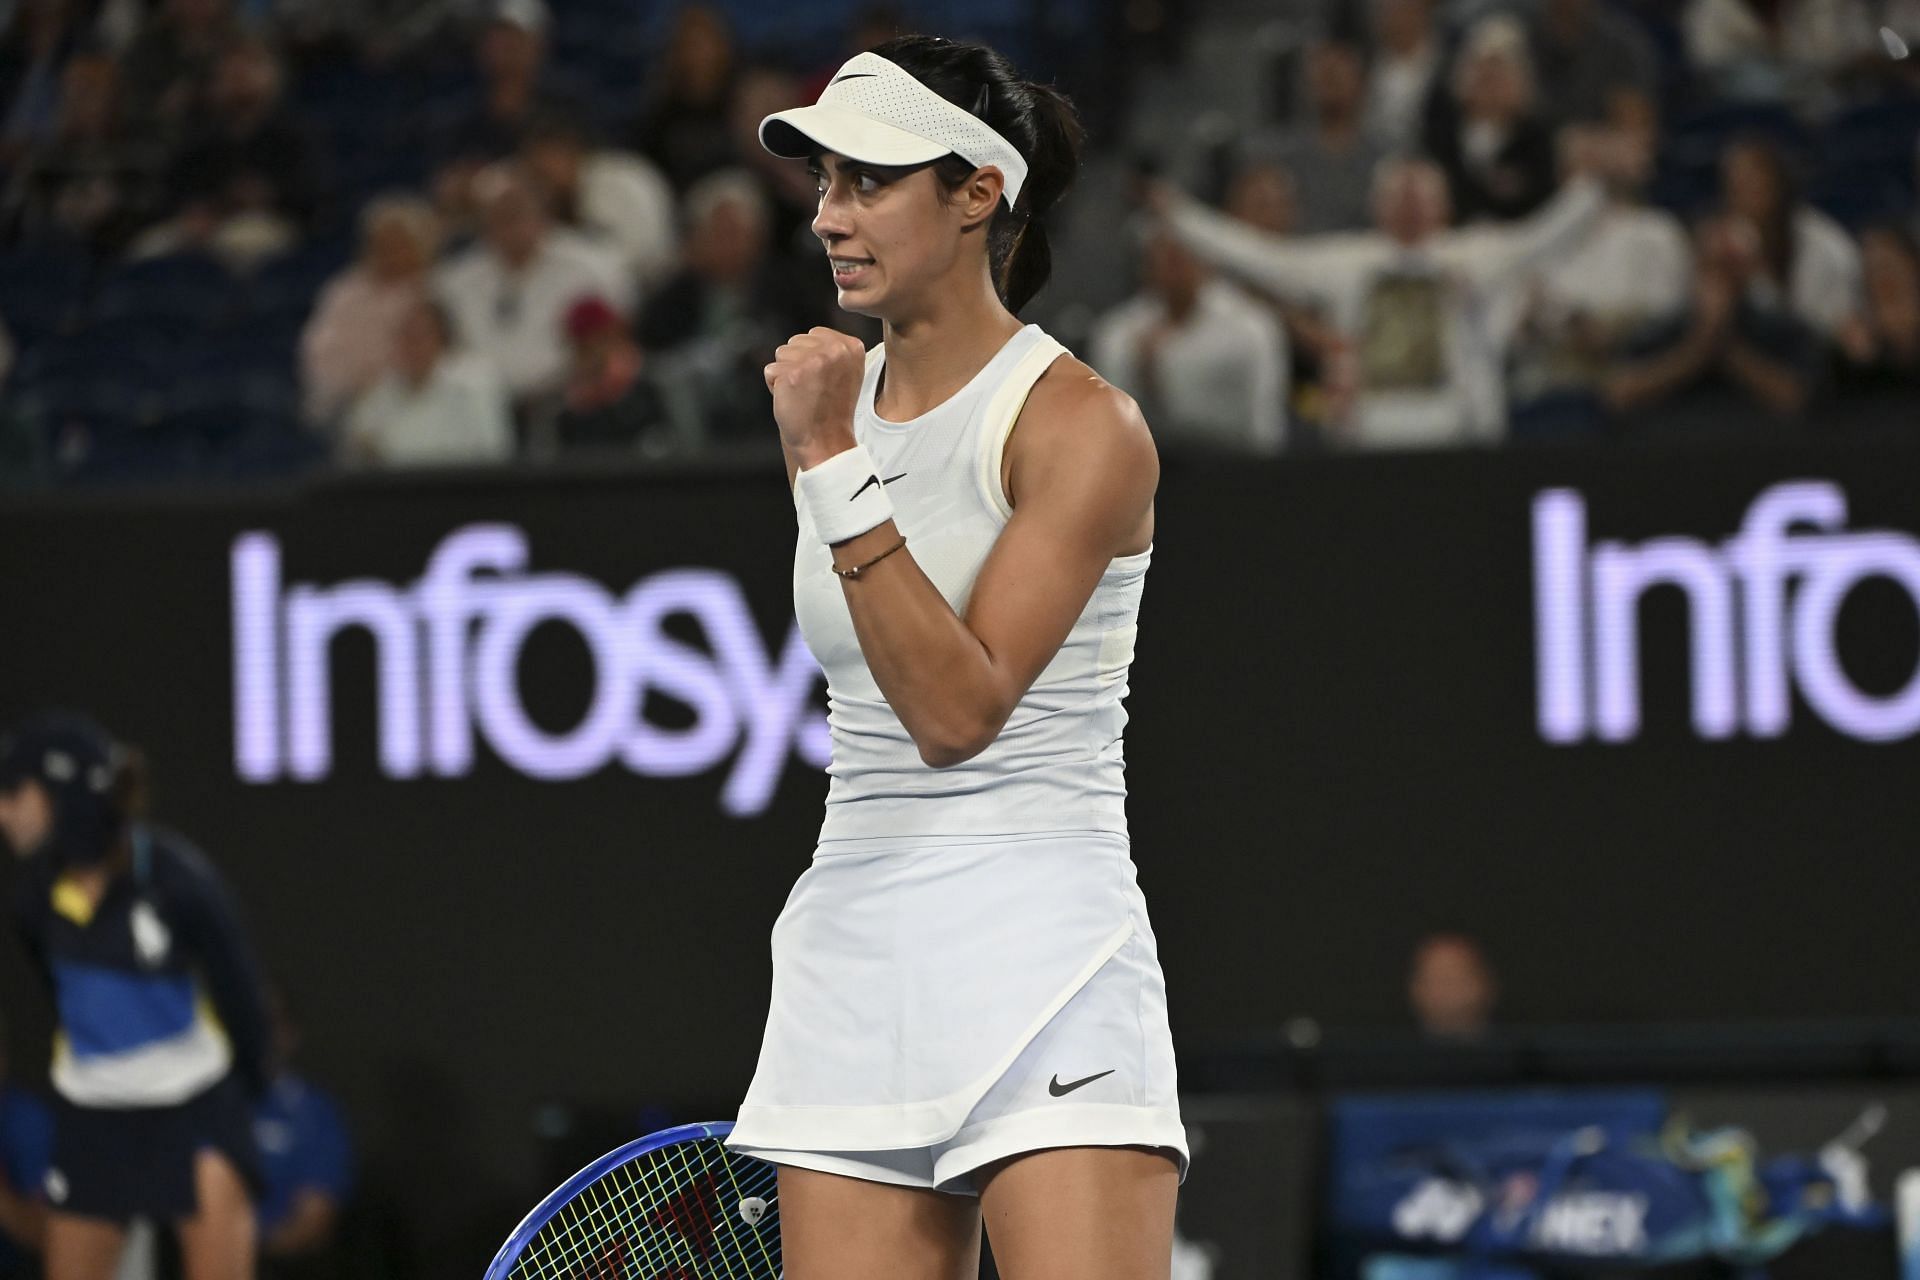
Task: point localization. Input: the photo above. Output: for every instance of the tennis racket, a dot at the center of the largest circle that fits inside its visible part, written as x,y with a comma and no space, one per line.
675,1205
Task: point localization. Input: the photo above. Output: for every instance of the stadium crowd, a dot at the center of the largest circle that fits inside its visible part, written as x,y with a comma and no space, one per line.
241,237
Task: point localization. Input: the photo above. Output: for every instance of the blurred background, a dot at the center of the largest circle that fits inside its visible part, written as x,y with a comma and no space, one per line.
1524,732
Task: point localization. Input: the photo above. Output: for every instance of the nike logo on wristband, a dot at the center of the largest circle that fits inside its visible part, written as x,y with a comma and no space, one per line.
873,480
1059,1090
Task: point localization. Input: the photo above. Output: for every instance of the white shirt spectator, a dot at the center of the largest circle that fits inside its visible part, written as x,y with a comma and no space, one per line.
627,201
1635,266
516,318
1727,40
1219,378
1430,322
1634,269
457,416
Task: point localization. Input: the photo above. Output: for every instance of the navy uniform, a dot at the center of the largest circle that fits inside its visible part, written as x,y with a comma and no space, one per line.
161,1040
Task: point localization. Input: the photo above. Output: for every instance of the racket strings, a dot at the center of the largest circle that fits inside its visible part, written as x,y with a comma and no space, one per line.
670,1214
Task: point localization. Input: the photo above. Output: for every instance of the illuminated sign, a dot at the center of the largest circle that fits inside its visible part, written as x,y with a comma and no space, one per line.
1762,608
449,649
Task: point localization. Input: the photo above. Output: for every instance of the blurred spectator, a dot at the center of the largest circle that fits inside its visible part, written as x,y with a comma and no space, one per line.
1709,369
1887,360
95,182
1417,301
169,62
1264,195
517,89
759,92
684,126
347,343
1808,264
508,295
734,301
1261,196
26,1150
249,169
1452,988
432,408
1601,66
1777,50
872,26
306,1156
1207,364
38,39
1406,61
610,402
1487,134
614,195
1331,157
1631,272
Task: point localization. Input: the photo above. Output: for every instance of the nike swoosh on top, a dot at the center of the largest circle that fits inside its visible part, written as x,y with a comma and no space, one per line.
873,480
852,75
1059,1090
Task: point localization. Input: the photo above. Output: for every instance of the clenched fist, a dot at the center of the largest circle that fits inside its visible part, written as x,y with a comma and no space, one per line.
815,379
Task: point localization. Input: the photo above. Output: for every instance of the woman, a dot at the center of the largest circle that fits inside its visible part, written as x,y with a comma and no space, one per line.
968,1016
1809,266
349,342
161,1047
1488,133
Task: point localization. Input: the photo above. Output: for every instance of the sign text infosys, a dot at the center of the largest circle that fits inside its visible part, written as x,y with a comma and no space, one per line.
448,657
1762,610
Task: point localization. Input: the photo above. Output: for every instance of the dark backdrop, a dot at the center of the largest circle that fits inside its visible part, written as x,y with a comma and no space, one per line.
1334,748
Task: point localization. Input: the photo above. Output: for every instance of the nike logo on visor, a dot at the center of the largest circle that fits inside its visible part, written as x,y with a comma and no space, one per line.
874,480
1059,1090
853,75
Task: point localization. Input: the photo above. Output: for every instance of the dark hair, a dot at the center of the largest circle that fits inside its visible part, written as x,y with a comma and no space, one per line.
1040,123
1779,241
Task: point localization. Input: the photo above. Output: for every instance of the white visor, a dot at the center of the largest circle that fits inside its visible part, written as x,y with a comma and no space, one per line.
874,111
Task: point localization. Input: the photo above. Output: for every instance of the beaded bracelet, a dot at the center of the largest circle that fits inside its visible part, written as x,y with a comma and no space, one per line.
854,573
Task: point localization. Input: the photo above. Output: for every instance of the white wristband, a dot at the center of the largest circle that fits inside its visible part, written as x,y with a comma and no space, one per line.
845,495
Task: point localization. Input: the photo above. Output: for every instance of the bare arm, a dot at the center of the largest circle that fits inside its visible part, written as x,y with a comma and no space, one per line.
23,1220
1083,473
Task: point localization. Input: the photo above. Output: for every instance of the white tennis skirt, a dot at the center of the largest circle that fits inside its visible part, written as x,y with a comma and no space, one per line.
942,1004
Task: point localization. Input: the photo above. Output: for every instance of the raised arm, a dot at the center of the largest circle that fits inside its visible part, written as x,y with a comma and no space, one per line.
1493,256
1296,266
1083,475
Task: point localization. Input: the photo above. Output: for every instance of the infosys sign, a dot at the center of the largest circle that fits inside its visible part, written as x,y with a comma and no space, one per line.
1763,608
449,650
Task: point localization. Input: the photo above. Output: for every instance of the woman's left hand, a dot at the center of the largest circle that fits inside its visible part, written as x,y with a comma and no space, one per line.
815,379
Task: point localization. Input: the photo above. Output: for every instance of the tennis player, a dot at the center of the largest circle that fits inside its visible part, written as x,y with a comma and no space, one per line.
161,1041
968,1015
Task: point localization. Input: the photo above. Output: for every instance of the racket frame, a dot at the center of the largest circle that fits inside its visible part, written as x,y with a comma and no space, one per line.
503,1261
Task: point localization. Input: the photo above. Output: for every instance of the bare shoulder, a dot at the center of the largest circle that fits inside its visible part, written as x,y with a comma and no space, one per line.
1073,411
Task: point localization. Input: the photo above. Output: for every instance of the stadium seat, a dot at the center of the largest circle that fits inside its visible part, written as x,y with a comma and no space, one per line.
181,289
41,290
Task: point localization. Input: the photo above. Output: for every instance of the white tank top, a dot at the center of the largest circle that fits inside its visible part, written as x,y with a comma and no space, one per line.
1057,764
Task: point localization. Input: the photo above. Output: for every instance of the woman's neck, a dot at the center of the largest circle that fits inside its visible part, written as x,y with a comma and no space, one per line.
934,353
